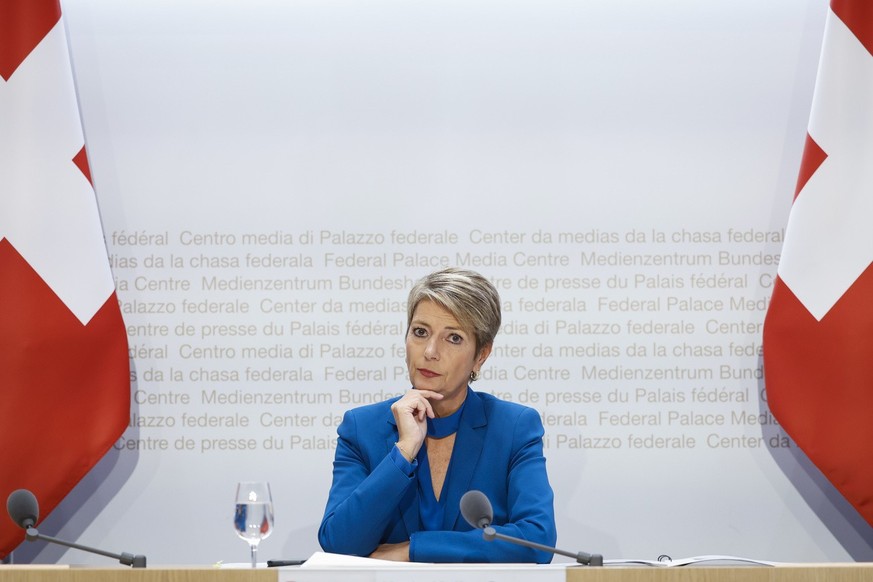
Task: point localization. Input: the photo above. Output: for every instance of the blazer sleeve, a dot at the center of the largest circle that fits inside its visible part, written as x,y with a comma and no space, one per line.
528,513
362,502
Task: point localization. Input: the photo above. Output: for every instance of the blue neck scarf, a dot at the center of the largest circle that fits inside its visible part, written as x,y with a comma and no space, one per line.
442,427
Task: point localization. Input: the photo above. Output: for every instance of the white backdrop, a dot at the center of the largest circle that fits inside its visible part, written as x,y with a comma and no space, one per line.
273,175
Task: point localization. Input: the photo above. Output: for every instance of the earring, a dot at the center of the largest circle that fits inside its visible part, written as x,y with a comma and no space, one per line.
474,375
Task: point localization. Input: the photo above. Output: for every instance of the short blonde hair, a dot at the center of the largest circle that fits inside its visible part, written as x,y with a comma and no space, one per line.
467,295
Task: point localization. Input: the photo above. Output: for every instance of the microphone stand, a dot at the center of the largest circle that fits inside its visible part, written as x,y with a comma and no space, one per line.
490,534
138,561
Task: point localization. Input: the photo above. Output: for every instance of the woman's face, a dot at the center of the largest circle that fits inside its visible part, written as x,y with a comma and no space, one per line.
440,355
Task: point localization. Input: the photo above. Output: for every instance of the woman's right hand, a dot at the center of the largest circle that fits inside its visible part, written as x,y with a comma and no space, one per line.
411,413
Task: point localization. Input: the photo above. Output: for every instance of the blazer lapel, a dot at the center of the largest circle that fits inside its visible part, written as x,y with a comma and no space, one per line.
468,444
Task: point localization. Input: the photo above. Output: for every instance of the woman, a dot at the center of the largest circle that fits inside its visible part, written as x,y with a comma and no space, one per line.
401,466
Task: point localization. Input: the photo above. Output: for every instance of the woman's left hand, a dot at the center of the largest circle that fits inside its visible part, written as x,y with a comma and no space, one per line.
396,552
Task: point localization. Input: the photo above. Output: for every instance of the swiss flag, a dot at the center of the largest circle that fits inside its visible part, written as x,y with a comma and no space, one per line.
818,333
64,369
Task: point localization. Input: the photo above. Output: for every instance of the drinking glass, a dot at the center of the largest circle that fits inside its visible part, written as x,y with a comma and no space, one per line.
253,518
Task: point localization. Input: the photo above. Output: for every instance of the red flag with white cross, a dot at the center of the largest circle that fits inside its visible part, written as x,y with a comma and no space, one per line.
64,368
818,332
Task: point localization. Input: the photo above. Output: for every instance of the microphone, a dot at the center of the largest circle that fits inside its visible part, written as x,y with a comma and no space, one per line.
23,508
477,510
24,511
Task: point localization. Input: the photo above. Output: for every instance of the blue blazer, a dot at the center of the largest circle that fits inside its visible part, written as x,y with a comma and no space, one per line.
498,450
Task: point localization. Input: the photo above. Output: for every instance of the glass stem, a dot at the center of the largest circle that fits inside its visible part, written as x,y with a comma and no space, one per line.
254,555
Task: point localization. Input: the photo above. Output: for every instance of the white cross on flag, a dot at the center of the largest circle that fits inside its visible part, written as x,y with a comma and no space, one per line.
64,368
818,333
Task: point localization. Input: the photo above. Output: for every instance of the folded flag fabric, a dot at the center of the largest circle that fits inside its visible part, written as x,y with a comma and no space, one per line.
818,331
64,367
